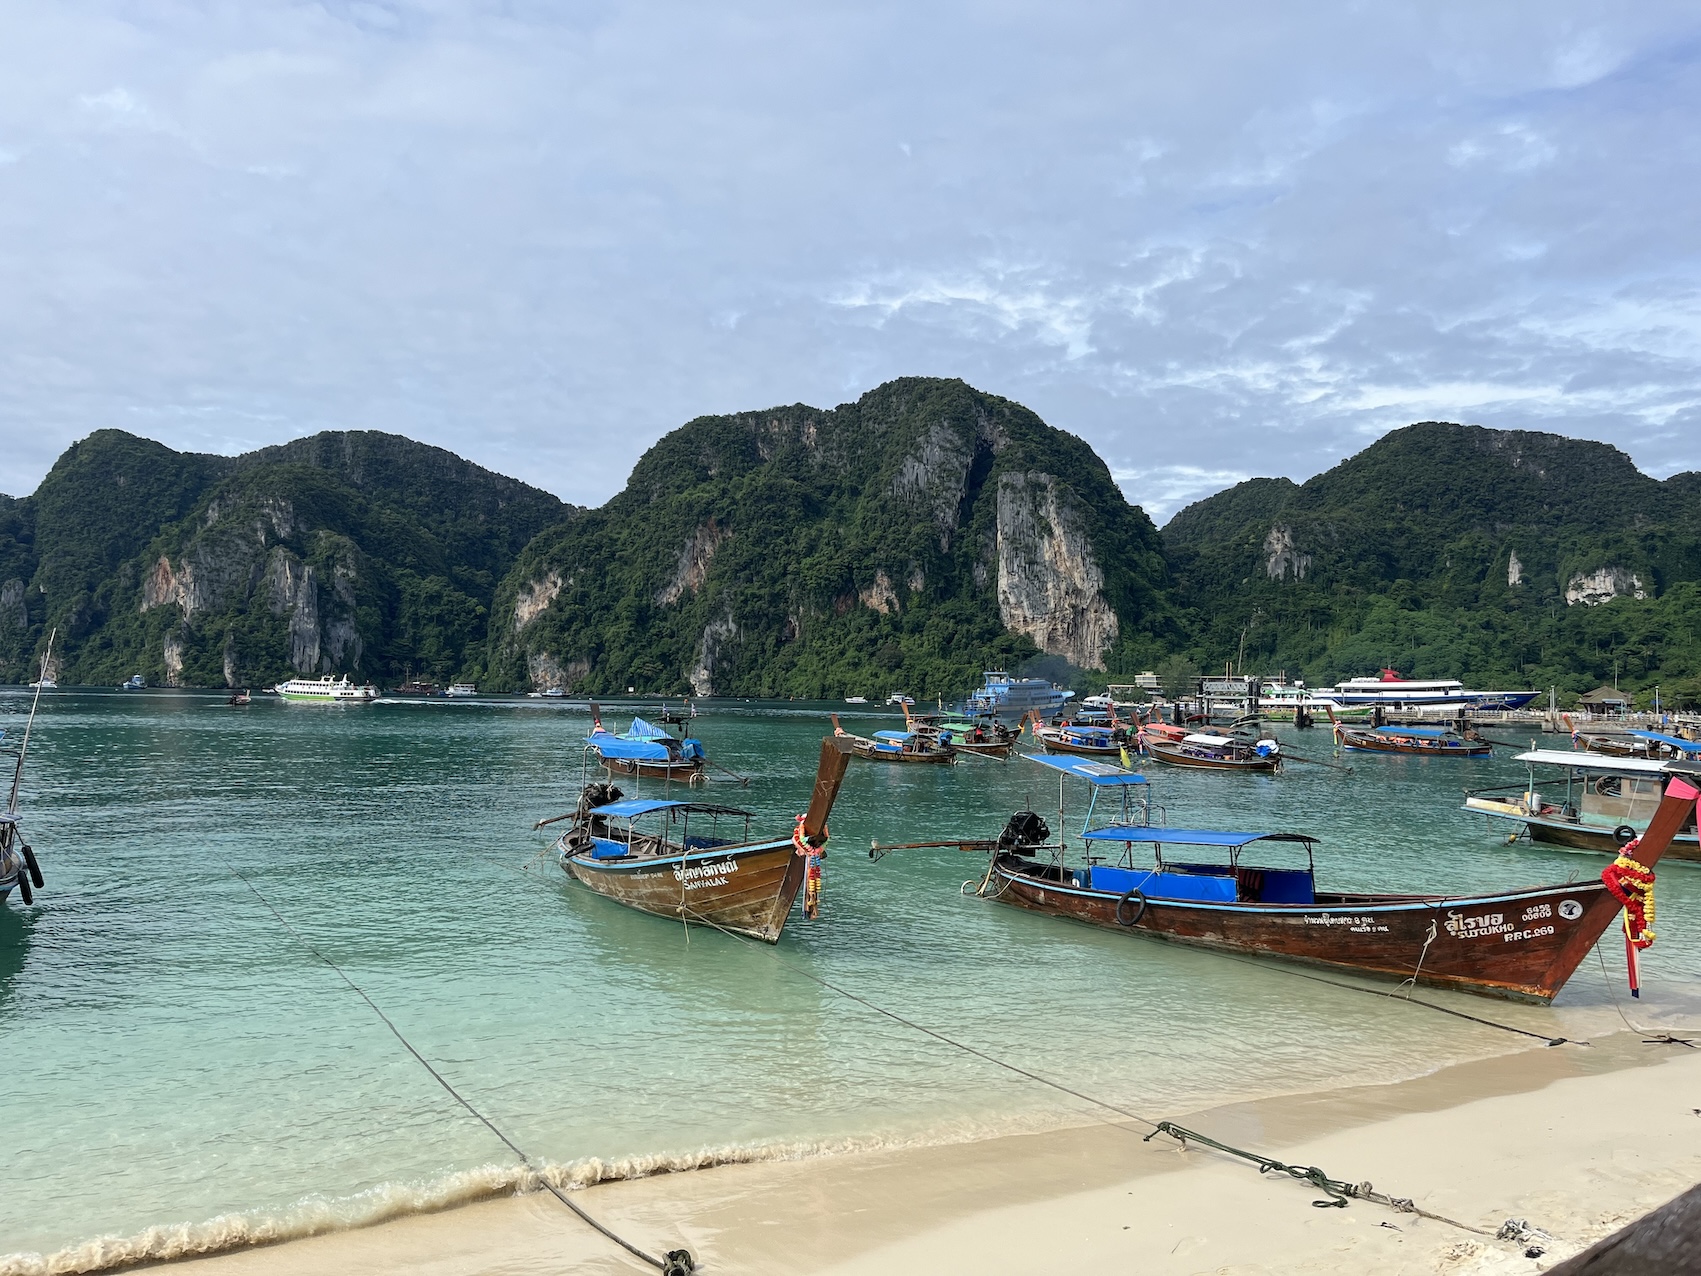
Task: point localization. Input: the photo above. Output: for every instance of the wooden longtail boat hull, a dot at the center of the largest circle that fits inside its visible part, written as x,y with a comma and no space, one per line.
939,757
1585,837
747,889
986,750
1051,745
1174,755
1368,744
686,769
1521,945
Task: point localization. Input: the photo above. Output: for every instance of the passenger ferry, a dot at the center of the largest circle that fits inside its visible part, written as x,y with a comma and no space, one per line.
1391,691
326,691
1012,699
462,689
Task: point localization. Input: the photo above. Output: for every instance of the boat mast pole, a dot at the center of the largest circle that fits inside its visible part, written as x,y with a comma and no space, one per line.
17,774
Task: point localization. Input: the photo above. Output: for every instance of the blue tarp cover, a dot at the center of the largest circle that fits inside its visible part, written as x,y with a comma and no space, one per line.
1181,837
1688,746
613,746
1100,773
636,806
641,730
896,736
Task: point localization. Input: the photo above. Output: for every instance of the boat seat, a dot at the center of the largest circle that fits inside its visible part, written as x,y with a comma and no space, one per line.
602,849
1190,886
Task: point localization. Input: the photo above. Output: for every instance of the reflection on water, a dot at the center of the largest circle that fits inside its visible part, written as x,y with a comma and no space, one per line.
180,1055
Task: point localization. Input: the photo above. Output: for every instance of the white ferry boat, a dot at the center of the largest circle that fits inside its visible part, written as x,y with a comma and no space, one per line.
1012,699
462,689
1391,691
326,691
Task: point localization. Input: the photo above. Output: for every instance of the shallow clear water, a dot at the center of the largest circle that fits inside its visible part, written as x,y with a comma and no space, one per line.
172,1053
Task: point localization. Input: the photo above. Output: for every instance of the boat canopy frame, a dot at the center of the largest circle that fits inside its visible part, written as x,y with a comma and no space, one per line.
1100,776
1234,843
631,810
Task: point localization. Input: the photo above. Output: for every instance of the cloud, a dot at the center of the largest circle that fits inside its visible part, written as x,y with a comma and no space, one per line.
1214,242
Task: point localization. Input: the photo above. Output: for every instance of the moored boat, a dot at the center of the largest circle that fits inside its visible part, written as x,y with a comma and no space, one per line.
1391,690
1593,803
134,683
326,690
1208,752
984,737
1087,739
1012,699
1255,893
911,747
697,862
645,749
19,869
1420,741
461,690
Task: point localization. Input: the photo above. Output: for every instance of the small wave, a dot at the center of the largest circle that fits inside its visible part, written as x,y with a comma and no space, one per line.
317,1215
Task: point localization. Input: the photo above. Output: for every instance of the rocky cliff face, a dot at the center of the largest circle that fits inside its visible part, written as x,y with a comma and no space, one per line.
1050,586
915,537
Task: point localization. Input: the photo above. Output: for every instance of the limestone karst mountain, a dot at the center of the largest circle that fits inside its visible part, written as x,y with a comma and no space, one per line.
911,538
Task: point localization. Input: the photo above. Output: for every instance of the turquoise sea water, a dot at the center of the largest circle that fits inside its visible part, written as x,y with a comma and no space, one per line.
173,1056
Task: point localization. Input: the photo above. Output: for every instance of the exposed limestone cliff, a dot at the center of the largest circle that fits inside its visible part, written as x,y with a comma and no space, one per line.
1050,586
13,614
534,599
1281,558
879,594
1602,585
719,634
694,562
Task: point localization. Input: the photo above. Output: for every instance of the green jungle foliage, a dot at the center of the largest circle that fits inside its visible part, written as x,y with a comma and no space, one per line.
361,553
1400,556
857,550
803,552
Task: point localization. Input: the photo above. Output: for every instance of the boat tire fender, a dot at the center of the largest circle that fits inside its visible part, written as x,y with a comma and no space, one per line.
24,888
1136,897
678,1263
34,868
1624,835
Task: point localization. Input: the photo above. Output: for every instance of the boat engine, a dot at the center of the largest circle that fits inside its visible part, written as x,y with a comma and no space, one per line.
1025,828
598,793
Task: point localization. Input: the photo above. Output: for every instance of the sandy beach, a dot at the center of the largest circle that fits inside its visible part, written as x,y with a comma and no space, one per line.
1575,1140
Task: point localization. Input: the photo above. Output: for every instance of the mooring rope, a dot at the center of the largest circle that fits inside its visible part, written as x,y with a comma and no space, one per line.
1650,1036
673,1263
1310,1174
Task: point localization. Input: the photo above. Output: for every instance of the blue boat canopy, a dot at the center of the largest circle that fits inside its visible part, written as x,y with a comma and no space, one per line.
1688,746
895,736
641,730
614,746
1103,774
628,808
1427,733
1186,837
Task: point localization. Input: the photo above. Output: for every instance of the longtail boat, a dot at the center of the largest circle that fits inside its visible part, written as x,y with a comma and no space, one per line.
1594,803
984,737
643,749
1518,944
1428,742
695,861
1216,752
18,867
898,746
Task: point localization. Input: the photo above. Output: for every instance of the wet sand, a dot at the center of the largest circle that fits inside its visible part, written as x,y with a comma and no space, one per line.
1575,1140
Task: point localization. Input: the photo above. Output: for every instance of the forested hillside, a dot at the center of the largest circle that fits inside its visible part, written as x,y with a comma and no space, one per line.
907,540
357,552
1503,557
902,542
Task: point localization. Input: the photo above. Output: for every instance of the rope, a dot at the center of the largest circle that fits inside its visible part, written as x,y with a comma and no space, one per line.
666,1266
1311,1174
1338,1190
1648,1035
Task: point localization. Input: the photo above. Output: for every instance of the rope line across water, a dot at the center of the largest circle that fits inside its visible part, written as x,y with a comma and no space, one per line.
673,1261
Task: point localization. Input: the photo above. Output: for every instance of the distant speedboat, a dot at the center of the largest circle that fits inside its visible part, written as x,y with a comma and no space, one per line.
898,698
134,684
45,684
856,699
461,689
326,690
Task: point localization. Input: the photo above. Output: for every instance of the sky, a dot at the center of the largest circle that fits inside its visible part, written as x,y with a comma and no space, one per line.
1215,240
